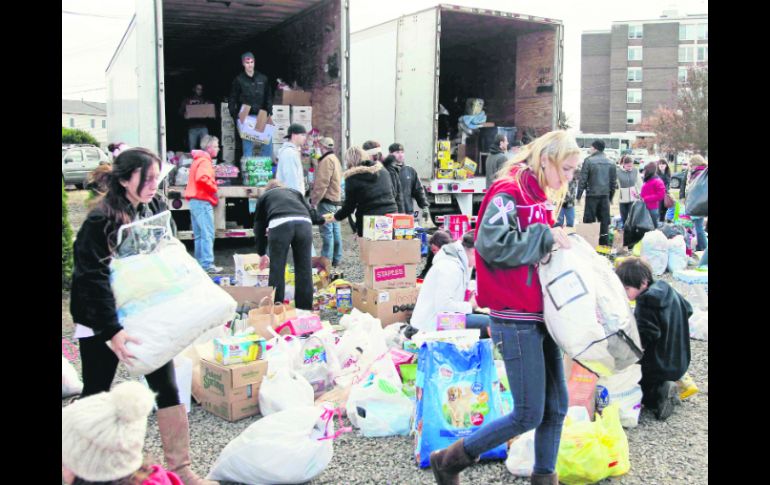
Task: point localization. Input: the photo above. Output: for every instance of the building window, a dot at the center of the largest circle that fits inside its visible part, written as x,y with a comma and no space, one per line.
687,31
703,32
633,116
635,74
93,123
634,96
635,53
72,122
703,53
686,53
683,75
104,124
634,31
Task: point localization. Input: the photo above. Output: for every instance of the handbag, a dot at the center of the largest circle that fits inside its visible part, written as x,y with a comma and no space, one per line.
668,202
639,218
697,201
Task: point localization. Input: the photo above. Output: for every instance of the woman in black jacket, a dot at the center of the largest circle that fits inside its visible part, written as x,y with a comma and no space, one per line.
131,195
284,219
374,151
664,172
368,189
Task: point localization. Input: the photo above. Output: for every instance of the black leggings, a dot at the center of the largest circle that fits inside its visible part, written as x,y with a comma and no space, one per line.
100,364
297,235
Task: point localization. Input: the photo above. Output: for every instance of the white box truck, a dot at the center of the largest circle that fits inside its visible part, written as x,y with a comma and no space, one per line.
442,56
171,45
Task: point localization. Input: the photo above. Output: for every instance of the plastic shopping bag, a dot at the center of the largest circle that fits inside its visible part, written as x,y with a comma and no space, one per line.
312,364
677,254
379,408
291,446
282,387
70,382
639,218
586,309
521,455
458,391
699,324
592,451
163,296
698,195
655,251
624,390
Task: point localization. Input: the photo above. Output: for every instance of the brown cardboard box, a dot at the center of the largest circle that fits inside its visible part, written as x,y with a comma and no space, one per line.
390,276
232,382
200,111
461,152
402,251
230,410
390,306
251,294
295,97
589,231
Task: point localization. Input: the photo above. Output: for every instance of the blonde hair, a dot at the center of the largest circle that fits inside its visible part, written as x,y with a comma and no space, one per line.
697,160
354,156
557,146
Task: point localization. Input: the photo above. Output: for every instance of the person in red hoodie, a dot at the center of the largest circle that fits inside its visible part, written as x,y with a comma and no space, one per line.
201,193
514,234
653,190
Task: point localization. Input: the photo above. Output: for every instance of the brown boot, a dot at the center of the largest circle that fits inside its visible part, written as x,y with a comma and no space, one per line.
449,462
547,479
175,436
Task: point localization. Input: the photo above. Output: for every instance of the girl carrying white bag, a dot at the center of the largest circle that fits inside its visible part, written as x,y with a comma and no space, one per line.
163,297
586,309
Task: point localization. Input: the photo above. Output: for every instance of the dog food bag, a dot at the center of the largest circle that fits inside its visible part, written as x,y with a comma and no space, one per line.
457,392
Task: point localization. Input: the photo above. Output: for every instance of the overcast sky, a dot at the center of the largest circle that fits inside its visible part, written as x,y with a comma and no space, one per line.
92,29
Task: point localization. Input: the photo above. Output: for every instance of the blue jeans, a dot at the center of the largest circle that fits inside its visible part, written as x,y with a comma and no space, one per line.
331,235
700,234
569,212
535,371
202,216
194,136
477,320
248,148
655,215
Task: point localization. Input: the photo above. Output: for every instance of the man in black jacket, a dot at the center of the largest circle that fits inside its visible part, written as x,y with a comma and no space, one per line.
662,316
598,179
411,188
497,157
375,152
250,88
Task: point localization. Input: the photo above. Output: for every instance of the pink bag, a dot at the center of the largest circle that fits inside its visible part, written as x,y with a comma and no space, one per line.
399,357
301,325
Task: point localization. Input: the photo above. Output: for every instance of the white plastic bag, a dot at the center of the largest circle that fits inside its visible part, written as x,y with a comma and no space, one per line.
699,324
70,382
521,455
394,338
313,364
163,296
282,387
677,254
361,344
376,404
624,390
463,339
586,309
655,251
281,448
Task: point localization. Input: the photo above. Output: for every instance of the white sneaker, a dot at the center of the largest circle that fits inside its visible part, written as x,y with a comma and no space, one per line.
214,269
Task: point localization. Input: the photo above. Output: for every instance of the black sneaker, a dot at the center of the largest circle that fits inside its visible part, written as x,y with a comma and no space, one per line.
668,397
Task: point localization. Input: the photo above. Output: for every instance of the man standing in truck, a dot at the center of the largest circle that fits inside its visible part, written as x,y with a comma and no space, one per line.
196,127
250,92
497,157
598,178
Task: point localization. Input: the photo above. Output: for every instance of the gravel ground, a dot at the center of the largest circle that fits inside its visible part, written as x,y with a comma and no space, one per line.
670,452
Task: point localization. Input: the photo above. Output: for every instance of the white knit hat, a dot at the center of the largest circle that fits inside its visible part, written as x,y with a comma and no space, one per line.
102,436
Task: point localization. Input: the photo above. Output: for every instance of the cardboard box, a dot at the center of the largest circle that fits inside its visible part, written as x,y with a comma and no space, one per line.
445,174
402,221
390,276
378,228
462,149
461,174
374,253
295,97
589,232
236,350
403,234
281,112
390,306
280,134
301,114
488,124
470,165
450,321
232,381
200,111
230,410
307,124
446,164
444,145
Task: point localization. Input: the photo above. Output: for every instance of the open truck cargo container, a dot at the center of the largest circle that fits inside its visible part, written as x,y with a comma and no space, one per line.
444,55
170,45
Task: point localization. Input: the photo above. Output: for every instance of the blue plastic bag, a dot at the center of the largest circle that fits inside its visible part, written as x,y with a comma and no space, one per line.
458,391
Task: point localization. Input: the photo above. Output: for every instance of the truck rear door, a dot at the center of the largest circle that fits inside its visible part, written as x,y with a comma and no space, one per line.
417,88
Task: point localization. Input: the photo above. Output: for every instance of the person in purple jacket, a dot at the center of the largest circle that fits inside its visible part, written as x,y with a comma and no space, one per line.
653,191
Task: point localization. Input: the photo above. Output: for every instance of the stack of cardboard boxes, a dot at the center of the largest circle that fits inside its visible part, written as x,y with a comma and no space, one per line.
281,120
228,135
390,254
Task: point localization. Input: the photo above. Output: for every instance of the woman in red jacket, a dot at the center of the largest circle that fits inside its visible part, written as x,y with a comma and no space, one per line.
513,235
201,194
653,191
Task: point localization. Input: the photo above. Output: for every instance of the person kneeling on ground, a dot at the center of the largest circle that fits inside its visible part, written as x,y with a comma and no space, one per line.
284,219
662,316
446,285
102,437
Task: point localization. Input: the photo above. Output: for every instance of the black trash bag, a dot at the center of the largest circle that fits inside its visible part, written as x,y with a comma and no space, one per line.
697,202
639,218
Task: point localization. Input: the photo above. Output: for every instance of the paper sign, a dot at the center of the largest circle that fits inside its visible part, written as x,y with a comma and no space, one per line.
565,289
390,273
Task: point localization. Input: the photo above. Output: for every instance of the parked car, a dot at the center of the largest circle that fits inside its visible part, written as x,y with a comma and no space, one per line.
77,161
